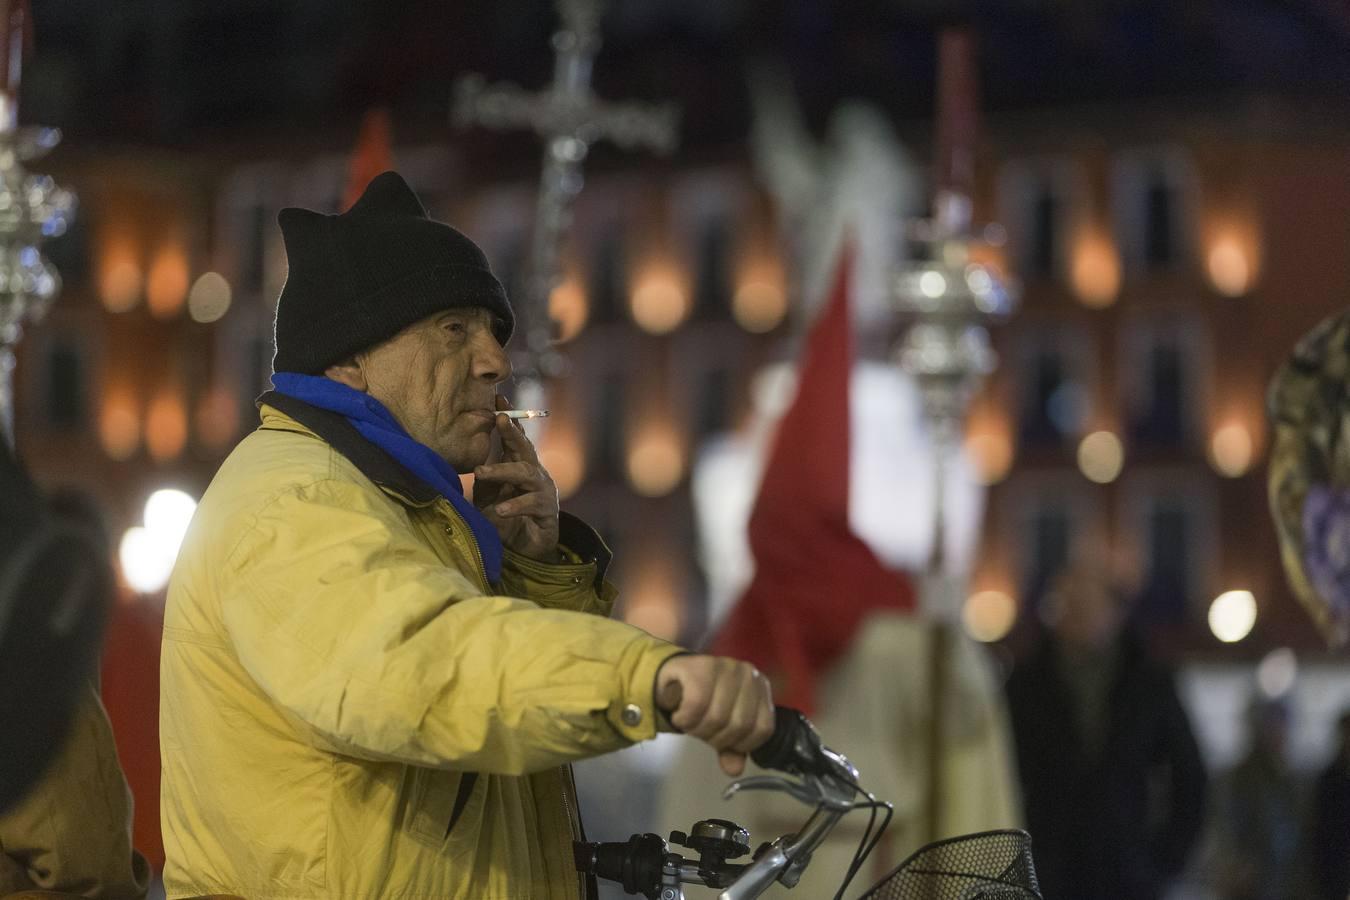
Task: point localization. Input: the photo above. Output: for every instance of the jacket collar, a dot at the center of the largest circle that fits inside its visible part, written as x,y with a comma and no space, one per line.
338,433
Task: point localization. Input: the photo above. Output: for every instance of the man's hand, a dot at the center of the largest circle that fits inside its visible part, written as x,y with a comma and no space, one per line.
518,495
722,701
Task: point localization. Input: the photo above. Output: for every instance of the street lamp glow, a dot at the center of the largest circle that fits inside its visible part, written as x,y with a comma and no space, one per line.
167,514
1101,457
1232,616
932,284
147,559
989,615
147,552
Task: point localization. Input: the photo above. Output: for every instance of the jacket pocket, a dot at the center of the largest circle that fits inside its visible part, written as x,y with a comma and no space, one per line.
434,798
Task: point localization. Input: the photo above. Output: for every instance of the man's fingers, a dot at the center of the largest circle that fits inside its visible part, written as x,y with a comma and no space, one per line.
740,717
732,763
520,474
741,732
539,504
514,440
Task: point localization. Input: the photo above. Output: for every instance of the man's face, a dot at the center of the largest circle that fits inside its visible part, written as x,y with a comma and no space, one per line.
439,377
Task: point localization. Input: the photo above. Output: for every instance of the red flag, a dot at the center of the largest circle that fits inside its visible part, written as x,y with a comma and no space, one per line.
374,155
815,580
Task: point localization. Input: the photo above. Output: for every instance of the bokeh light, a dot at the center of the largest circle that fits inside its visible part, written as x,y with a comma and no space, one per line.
653,600
568,307
659,302
147,552
217,417
119,425
1277,672
120,279
563,455
1231,451
655,460
1095,269
209,299
1101,457
759,306
989,444
166,426
167,514
167,284
989,615
1232,615
145,561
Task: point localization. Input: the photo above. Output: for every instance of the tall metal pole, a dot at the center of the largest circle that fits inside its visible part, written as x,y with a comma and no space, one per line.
951,301
32,209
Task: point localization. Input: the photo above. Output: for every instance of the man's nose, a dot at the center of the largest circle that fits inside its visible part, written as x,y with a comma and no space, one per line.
491,362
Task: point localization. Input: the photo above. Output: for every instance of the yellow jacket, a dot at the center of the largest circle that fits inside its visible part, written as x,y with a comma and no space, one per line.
335,665
72,832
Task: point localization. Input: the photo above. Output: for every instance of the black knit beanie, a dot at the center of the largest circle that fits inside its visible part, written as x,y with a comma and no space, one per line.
362,277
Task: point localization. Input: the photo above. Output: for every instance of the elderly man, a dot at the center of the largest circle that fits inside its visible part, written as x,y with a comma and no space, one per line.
371,685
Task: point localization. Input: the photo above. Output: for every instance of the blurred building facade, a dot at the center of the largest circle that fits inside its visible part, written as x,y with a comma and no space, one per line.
1170,258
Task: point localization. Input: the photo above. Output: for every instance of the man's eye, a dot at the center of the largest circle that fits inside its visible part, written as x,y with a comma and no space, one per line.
455,327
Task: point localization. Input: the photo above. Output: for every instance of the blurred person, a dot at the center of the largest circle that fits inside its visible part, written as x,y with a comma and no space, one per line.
129,679
1112,779
71,831
371,685
1330,837
1260,814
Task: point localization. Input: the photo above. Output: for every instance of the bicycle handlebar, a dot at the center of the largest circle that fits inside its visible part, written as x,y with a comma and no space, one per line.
644,864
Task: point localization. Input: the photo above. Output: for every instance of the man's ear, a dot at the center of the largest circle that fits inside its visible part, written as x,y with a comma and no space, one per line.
348,372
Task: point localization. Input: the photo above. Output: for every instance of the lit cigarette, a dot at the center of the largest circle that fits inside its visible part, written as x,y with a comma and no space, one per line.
523,413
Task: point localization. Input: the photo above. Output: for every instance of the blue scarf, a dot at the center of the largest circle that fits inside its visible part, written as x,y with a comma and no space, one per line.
377,425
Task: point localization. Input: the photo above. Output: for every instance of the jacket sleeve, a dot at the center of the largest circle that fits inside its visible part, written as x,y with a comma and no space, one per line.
354,627
576,582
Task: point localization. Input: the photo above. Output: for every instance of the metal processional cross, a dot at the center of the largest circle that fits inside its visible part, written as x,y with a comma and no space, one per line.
569,117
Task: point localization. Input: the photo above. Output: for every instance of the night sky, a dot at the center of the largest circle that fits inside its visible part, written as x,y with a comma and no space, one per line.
187,73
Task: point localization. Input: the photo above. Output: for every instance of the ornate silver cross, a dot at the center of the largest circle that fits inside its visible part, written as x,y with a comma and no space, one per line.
569,117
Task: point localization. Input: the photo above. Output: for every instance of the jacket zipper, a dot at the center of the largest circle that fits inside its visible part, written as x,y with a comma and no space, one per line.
569,786
473,544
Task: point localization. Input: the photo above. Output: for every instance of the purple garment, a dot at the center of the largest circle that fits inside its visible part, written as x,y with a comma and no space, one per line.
1326,547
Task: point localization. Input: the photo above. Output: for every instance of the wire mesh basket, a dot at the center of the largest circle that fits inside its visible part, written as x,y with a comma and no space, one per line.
990,865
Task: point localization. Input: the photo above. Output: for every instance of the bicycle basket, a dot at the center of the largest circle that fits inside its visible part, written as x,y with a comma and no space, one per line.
990,865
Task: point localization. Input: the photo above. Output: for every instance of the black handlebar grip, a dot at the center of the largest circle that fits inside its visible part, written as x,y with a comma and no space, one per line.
782,751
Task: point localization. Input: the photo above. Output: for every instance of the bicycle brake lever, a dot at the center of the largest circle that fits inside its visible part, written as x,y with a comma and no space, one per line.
799,791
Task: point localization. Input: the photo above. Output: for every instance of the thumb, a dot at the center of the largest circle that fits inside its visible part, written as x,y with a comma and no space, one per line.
670,695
